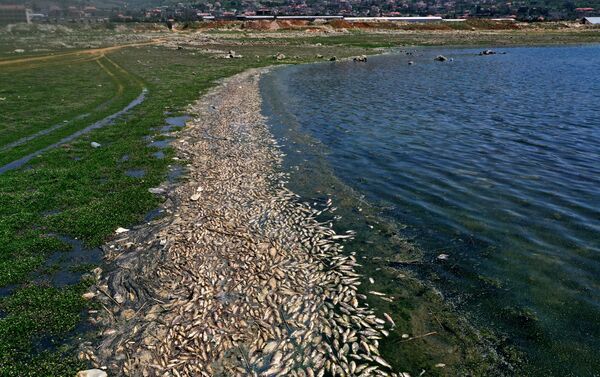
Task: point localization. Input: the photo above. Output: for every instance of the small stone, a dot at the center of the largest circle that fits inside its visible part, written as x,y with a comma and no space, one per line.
280,56
443,256
156,190
440,58
95,145
97,272
121,230
92,373
195,197
332,59
440,365
405,336
88,295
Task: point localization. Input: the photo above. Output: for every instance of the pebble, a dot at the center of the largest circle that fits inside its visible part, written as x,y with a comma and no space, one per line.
88,295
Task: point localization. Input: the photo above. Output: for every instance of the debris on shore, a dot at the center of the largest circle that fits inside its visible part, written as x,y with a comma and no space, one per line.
232,55
245,281
92,373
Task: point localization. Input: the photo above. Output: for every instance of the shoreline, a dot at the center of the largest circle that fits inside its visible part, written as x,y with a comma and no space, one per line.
240,278
449,341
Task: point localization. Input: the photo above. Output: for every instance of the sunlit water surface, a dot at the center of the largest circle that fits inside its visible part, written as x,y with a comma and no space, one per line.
492,160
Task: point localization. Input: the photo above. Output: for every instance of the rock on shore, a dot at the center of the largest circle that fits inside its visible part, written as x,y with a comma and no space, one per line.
241,280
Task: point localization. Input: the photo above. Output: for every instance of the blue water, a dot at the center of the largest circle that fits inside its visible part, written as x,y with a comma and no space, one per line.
492,160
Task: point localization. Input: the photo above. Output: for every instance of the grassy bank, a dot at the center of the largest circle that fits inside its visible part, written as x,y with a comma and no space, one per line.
86,193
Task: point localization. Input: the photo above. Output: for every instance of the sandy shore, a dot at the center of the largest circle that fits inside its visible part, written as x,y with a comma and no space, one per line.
239,278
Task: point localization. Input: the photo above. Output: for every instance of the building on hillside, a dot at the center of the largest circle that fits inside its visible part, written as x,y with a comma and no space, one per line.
591,20
395,19
13,14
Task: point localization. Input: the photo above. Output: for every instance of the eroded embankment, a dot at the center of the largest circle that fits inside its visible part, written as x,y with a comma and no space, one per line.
240,278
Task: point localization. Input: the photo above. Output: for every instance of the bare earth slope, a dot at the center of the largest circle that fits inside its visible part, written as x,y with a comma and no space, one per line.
240,279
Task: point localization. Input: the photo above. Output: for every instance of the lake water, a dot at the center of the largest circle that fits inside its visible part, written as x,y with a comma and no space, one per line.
493,161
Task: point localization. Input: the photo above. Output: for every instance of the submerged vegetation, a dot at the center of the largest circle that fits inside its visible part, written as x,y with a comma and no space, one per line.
86,193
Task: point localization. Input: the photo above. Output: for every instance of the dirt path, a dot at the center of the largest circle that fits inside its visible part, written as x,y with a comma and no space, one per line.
240,279
95,52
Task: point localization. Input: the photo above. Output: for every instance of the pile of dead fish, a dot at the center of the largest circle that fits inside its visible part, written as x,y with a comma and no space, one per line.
240,279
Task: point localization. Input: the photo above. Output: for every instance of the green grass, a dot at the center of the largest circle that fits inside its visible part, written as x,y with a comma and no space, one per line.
37,317
41,39
96,89
69,90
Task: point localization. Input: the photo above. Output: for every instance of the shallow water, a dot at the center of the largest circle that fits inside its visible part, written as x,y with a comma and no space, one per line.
161,144
135,173
493,161
63,267
178,121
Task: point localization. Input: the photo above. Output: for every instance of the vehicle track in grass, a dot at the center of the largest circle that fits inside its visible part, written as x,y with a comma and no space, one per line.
123,80
46,131
80,53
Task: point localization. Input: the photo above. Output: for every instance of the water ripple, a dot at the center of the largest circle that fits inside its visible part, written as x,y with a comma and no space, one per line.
501,149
